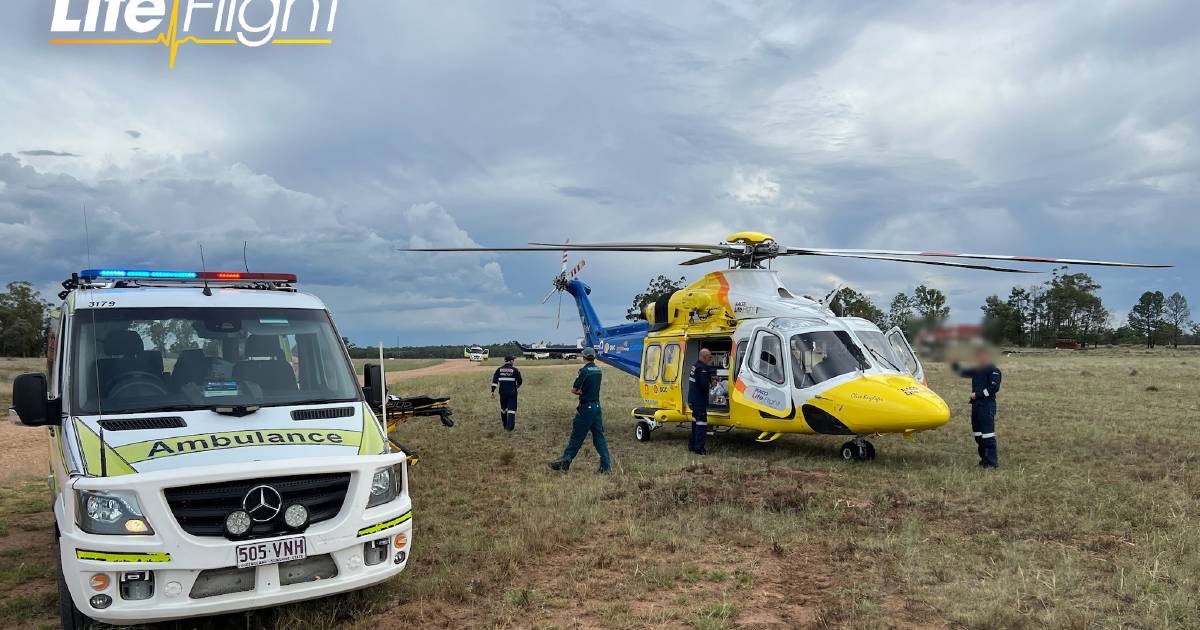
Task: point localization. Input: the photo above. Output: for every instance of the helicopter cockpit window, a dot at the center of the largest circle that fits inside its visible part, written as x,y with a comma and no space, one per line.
820,356
883,352
768,358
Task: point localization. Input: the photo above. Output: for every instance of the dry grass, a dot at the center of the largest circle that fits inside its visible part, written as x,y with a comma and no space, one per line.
1089,524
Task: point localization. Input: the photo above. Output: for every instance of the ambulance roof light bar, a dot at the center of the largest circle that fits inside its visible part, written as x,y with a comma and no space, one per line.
159,275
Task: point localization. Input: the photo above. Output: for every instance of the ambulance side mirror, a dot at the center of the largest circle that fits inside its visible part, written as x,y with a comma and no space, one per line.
372,376
31,403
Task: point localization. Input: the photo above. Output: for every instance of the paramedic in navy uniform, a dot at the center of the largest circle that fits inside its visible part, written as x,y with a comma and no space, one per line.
507,379
699,382
985,384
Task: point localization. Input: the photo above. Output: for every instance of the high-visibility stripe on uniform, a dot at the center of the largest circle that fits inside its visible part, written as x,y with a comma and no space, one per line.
378,527
987,435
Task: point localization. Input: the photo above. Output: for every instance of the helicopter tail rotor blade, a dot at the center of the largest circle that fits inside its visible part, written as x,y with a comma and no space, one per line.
558,314
549,295
576,269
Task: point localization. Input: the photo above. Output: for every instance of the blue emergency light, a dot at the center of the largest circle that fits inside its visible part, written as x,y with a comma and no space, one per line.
93,274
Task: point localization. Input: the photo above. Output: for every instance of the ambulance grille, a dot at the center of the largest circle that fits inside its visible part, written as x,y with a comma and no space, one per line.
201,510
142,424
323,413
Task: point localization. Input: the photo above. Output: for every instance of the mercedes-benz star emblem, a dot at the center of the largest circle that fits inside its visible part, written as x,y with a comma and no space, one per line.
262,503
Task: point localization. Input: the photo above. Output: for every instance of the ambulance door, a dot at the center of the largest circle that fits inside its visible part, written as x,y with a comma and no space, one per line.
908,358
762,380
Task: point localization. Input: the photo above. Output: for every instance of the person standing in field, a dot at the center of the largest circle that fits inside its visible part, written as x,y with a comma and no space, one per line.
588,417
507,379
699,382
985,384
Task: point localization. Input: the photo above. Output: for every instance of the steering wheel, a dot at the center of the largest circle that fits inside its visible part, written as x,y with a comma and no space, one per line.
134,379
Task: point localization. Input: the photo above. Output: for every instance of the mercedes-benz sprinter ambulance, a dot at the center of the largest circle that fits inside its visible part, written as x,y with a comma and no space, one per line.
210,449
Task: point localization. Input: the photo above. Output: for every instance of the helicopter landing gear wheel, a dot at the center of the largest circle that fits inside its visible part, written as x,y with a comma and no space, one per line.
642,431
858,450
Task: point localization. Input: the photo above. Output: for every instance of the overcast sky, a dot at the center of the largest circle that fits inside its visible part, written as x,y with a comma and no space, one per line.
1055,129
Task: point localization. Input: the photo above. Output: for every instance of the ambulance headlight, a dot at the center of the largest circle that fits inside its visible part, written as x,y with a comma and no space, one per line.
113,512
384,487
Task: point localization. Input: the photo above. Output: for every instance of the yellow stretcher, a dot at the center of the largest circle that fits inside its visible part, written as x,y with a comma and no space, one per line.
402,409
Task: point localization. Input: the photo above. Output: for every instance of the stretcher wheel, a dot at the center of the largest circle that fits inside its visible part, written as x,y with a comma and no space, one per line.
642,431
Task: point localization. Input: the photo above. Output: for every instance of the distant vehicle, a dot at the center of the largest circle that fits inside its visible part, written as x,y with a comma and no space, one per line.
211,450
784,363
543,351
475,353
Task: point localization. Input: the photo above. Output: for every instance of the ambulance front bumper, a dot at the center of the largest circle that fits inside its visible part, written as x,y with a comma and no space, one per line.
198,575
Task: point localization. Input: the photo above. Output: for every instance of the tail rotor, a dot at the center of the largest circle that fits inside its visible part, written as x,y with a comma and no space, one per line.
561,281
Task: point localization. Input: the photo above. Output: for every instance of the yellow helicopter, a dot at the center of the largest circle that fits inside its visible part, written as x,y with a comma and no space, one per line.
784,363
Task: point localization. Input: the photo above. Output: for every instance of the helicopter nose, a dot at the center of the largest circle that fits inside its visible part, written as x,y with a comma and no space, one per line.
885,404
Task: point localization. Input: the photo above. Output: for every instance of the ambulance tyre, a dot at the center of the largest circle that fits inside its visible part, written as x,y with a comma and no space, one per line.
642,431
68,614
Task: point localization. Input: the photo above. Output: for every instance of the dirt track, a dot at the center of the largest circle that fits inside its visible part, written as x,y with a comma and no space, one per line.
24,451
456,366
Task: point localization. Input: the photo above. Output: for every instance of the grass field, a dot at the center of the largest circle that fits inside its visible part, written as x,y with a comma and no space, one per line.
1089,524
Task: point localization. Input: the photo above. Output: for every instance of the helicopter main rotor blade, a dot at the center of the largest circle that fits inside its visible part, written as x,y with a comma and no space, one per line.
799,251
699,248
478,249
939,263
705,259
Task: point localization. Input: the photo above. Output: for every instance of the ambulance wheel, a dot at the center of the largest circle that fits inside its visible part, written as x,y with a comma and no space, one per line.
70,616
642,431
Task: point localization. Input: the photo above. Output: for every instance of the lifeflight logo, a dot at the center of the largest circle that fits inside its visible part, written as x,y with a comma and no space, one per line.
251,23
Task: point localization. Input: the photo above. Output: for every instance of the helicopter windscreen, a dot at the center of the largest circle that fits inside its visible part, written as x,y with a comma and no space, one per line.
830,354
883,352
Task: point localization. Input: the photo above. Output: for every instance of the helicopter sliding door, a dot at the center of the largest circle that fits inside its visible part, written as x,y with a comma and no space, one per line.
908,358
762,381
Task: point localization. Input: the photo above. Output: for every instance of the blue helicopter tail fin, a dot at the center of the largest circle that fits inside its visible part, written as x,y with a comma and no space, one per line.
619,346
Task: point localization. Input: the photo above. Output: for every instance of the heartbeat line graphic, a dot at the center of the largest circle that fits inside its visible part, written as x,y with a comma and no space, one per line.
171,41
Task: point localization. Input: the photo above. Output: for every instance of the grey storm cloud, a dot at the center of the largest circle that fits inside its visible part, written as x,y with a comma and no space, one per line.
1057,128
46,153
133,133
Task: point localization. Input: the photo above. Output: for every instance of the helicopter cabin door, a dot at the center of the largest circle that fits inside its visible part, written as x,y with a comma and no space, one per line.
762,381
908,358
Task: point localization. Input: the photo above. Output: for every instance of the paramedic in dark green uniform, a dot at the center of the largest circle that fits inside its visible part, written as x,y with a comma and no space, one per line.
587,416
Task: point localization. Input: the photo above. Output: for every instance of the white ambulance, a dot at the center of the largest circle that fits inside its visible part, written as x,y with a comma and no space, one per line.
210,449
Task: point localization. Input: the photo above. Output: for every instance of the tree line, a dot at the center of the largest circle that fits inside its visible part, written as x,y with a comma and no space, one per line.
24,318
1067,306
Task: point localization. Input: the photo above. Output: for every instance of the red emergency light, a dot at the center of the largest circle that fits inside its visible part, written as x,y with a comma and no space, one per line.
186,275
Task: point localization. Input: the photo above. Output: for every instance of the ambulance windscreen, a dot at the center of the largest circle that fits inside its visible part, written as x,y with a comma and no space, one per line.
175,359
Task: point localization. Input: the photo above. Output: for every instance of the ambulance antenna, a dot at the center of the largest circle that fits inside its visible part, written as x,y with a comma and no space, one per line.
87,240
207,291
